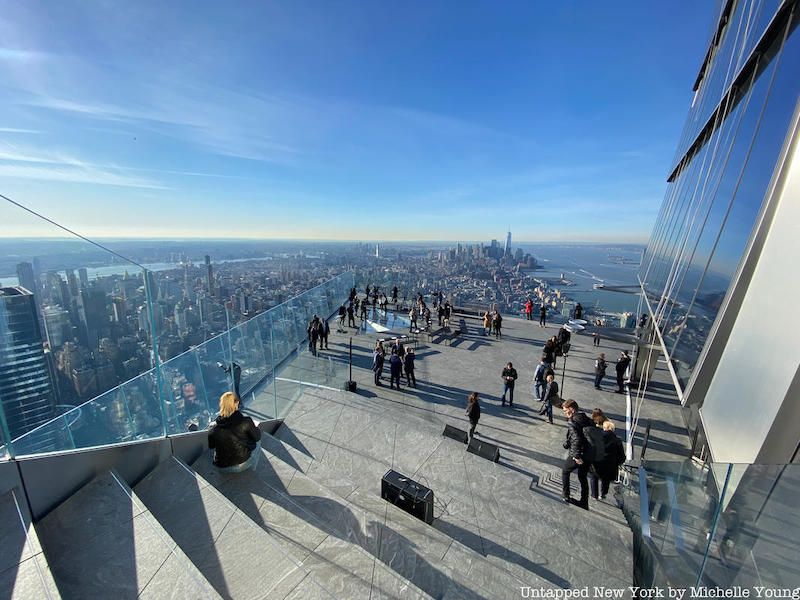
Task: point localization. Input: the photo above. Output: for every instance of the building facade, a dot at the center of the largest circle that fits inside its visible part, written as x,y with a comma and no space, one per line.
26,393
720,271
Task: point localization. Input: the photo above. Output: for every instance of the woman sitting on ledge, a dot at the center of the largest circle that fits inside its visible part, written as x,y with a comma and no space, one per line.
234,437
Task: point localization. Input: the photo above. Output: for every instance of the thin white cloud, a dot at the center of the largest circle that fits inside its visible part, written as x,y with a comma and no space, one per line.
18,130
26,163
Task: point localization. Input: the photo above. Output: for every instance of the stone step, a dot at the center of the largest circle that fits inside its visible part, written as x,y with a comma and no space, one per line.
102,542
334,543
24,572
419,553
488,507
237,557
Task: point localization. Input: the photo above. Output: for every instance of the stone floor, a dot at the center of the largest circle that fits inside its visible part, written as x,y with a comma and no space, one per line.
448,369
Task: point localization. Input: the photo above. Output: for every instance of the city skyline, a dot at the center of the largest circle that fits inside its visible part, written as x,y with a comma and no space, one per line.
308,122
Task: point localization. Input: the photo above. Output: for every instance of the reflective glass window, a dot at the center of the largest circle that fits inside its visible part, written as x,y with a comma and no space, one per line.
722,248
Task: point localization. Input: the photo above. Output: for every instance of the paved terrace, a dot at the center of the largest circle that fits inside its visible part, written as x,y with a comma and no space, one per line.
504,516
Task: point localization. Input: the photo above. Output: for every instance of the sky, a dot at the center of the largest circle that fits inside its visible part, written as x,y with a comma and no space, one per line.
426,120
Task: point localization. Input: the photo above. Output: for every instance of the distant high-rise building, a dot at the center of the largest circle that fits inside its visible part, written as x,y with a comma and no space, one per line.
26,277
209,276
507,248
377,250
57,326
26,390
83,276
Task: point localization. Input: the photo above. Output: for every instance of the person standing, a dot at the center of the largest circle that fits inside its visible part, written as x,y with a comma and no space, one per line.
487,323
448,311
342,313
509,376
550,396
394,294
395,369
599,370
538,378
313,334
623,362
412,315
377,363
575,444
408,366
473,412
497,323
529,309
324,332
364,309
542,315
351,316
578,311
606,468
440,314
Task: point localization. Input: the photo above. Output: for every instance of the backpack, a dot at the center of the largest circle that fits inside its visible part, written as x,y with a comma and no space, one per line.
595,450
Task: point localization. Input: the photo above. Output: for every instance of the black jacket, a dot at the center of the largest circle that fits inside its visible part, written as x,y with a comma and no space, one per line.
576,442
408,362
474,412
233,439
622,365
551,392
512,372
615,451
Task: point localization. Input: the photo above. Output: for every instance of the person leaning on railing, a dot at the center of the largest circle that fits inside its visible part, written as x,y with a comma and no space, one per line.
234,437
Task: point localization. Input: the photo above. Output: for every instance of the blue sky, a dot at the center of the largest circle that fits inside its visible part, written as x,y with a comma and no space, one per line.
344,120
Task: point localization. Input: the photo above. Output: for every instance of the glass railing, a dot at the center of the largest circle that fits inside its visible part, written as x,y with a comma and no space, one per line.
714,525
265,358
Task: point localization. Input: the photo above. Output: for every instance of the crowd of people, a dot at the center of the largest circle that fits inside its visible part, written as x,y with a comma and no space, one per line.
593,450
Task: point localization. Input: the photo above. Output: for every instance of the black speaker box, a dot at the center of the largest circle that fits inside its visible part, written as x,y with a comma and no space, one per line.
455,433
350,386
484,450
415,499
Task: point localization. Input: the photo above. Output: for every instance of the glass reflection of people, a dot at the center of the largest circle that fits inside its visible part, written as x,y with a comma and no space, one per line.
235,439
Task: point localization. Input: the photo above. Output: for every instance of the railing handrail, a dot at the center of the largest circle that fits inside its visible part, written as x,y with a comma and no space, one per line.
154,371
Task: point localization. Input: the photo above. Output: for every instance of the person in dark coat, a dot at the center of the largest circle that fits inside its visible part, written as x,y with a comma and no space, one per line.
408,367
575,444
605,469
621,367
313,334
509,377
550,396
542,316
342,313
497,324
324,332
578,311
234,437
351,316
549,351
600,367
377,364
473,412
395,369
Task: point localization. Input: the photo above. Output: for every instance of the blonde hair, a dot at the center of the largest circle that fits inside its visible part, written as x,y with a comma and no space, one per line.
228,404
609,426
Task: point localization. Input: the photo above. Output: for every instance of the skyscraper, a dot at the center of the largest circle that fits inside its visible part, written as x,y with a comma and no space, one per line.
26,394
720,271
209,276
507,248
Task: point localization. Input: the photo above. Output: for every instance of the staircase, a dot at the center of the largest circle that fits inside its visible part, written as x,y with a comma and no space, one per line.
308,522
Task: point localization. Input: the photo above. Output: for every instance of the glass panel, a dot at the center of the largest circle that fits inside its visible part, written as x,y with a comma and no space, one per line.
49,437
724,245
215,366
248,352
185,401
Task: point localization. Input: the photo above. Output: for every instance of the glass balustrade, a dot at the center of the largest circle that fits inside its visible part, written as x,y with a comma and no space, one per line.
715,524
265,358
